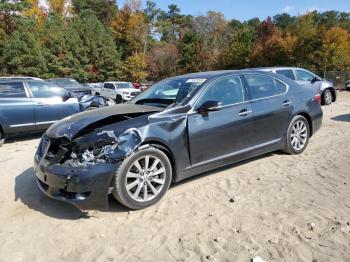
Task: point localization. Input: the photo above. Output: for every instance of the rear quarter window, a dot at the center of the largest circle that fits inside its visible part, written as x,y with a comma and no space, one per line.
12,90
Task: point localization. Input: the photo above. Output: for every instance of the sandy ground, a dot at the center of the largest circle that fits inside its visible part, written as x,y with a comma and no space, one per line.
282,208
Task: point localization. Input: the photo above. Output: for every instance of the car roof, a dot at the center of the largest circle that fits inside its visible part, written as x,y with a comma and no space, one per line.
20,78
61,78
213,74
274,68
117,82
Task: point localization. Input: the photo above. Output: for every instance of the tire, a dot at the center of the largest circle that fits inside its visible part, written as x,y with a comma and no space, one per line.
2,141
131,184
293,134
119,99
327,97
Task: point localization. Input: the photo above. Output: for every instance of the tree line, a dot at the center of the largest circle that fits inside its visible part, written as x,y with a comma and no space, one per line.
96,40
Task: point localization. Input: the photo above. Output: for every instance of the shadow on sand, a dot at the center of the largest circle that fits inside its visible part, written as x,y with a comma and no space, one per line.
342,118
27,191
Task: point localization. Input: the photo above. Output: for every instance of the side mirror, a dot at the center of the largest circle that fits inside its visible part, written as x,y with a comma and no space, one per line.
67,95
315,79
209,106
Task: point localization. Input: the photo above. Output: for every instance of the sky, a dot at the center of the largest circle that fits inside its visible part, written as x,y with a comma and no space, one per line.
247,9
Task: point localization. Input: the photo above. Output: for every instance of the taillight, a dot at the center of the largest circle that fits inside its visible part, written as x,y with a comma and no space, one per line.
318,98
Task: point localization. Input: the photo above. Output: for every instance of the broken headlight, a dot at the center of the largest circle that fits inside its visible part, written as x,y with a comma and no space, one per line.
104,146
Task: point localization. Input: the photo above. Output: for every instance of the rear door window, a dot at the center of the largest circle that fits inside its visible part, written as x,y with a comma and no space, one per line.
12,90
287,73
264,86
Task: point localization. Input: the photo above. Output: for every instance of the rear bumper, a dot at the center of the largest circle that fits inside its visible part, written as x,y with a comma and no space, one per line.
85,187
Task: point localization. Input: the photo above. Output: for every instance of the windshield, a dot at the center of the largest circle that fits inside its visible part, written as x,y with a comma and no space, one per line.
169,91
125,85
65,83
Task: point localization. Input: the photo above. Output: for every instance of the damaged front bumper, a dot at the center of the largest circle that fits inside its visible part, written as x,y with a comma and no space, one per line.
85,187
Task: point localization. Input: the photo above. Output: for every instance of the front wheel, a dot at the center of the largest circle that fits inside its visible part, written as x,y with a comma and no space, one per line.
298,135
119,99
327,97
143,178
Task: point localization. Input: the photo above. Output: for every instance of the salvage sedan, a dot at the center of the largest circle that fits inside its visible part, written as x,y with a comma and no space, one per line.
178,128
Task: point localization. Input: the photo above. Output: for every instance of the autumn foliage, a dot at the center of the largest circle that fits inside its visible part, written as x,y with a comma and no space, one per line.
95,40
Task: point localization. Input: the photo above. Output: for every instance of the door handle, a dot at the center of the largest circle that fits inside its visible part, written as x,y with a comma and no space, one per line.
245,112
287,103
40,104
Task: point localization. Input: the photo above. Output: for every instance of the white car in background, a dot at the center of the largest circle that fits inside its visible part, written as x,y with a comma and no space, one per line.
120,91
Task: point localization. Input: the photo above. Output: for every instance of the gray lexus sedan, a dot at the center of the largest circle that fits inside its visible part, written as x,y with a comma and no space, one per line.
178,128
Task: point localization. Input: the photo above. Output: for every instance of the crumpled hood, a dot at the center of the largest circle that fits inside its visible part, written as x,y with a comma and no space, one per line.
69,127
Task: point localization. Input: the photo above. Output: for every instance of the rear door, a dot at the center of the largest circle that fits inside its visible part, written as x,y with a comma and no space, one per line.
272,106
224,133
16,108
49,104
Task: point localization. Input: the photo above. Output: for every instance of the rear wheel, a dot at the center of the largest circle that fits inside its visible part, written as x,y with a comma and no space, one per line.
119,99
298,135
1,138
327,97
143,178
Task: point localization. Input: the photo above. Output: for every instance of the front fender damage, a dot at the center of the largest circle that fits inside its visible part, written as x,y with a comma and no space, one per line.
89,163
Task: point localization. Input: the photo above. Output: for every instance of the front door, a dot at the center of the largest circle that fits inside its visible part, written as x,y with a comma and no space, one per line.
49,105
305,78
109,91
223,133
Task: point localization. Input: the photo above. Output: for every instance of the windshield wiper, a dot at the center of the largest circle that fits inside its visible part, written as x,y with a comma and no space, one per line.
156,101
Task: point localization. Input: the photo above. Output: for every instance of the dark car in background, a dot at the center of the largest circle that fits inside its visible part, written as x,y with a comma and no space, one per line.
28,105
307,79
178,128
70,84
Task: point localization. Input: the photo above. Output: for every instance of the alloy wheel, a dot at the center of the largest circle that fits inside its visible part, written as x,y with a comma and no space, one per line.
299,135
328,97
145,178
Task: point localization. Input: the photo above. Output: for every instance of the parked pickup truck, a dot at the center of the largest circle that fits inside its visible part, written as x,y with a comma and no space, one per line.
120,91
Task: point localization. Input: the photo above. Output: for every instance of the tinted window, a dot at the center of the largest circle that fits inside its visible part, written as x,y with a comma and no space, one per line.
109,86
228,90
12,89
286,73
304,75
264,86
41,89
